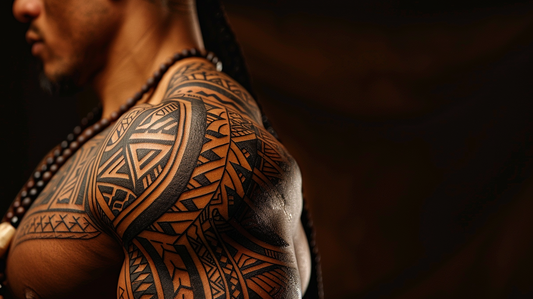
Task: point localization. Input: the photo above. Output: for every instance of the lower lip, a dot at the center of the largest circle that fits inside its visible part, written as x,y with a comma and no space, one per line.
37,48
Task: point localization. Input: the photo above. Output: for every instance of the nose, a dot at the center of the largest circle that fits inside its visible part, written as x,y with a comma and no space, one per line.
26,10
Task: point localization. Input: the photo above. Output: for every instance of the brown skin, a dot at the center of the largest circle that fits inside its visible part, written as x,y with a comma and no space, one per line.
192,197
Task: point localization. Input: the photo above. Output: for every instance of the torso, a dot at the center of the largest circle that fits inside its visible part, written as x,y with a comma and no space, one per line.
58,250
63,249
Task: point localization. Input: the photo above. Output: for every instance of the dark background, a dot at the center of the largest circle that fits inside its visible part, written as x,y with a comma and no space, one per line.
411,121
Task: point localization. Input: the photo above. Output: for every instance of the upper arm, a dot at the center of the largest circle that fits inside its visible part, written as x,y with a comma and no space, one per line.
189,187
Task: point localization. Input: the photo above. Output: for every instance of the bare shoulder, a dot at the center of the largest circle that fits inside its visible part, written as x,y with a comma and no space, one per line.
202,197
200,77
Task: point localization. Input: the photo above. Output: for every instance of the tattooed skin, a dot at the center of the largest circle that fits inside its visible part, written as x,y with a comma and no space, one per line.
188,198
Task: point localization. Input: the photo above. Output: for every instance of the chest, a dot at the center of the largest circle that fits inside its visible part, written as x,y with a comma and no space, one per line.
58,250
64,268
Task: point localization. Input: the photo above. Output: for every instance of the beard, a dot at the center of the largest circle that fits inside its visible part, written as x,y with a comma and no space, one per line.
59,85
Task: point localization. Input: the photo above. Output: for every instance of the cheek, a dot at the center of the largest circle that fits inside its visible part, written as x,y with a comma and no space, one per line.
77,28
59,31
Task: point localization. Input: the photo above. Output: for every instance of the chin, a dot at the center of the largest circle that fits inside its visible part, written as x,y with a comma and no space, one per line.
61,84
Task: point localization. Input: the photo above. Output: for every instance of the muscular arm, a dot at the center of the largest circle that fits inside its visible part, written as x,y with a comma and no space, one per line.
202,198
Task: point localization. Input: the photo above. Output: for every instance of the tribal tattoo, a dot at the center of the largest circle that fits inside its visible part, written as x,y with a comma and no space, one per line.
199,194
60,210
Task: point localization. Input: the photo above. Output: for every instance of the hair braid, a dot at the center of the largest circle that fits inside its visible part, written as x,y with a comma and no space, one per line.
219,38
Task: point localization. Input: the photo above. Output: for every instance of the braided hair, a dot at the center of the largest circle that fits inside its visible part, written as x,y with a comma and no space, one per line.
219,38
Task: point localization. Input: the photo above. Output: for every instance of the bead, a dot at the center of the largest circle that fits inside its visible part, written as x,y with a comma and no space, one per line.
50,160
123,108
218,66
185,53
40,184
130,102
73,146
104,122
20,211
88,133
84,121
137,96
193,52
16,204
30,184
44,168
64,144
23,193
97,127
70,137
157,75
209,56
26,202
60,160
163,68
81,139
15,221
33,192
37,175
67,153
57,152
9,215
77,130
47,176
53,168
150,83
144,89
114,116
176,56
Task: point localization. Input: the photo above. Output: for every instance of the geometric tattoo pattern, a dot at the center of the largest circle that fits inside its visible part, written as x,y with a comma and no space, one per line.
59,212
66,225
217,85
210,242
199,194
137,157
140,277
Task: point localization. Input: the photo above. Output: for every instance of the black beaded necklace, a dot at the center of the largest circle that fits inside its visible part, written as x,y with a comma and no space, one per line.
89,128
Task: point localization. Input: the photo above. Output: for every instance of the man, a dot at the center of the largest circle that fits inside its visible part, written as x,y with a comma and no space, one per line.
184,195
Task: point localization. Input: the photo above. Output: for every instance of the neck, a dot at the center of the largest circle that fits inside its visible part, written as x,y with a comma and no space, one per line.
148,36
